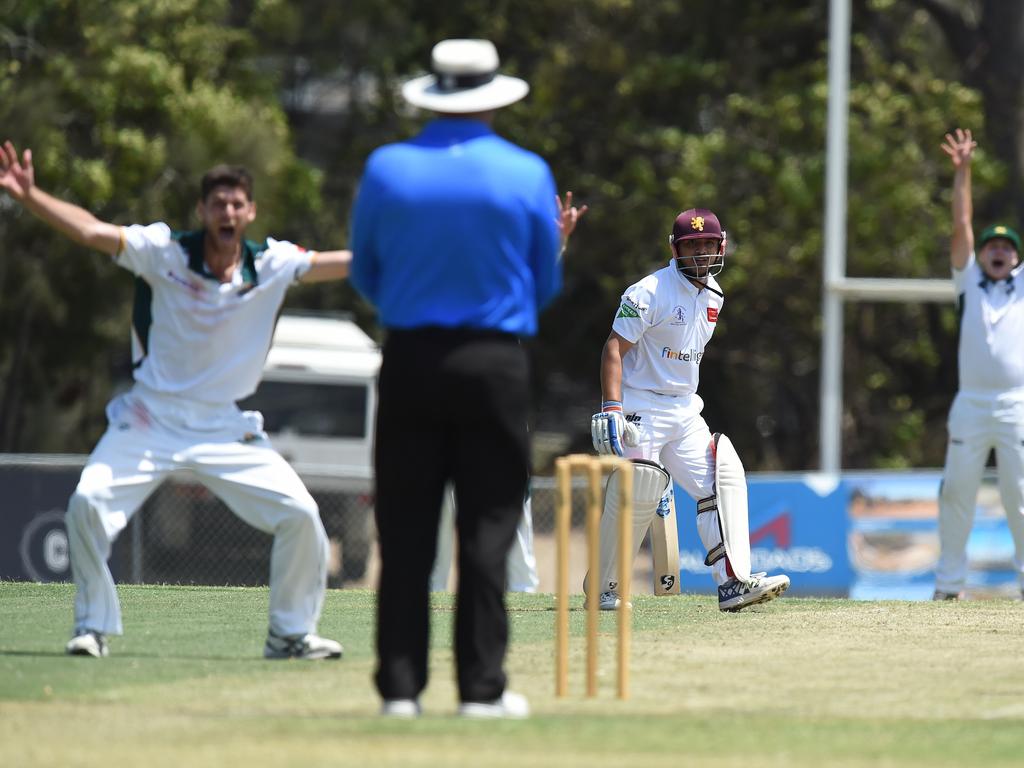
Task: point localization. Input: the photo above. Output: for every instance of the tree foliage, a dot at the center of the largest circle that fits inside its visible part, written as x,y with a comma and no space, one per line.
125,104
643,108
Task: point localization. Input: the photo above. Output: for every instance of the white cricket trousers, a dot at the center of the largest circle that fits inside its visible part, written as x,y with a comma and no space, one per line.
978,424
674,434
148,436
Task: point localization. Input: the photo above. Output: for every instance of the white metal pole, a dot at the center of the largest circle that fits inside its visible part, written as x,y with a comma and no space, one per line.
834,267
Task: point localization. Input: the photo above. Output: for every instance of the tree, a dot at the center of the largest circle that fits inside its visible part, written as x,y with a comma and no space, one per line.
987,39
125,105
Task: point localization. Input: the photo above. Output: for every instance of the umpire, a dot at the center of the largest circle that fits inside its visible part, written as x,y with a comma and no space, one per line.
455,235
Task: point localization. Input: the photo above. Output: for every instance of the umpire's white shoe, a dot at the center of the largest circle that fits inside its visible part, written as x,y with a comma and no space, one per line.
401,708
87,643
736,595
308,646
511,705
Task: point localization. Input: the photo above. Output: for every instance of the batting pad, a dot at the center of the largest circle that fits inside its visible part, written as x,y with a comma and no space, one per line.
731,487
650,481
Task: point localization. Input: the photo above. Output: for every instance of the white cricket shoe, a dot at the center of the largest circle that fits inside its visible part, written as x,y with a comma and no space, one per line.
87,643
401,708
307,646
736,595
510,705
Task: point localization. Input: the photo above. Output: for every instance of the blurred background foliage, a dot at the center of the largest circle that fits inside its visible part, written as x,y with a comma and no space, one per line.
642,107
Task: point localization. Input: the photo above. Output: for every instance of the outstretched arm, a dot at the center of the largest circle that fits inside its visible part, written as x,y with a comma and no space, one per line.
959,147
328,265
17,179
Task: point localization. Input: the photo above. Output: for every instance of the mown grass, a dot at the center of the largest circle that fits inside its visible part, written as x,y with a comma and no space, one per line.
797,682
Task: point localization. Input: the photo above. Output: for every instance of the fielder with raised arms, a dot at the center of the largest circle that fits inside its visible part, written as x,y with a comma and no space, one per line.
988,411
650,413
206,303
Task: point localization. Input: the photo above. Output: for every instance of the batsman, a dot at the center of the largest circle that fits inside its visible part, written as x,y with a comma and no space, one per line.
651,413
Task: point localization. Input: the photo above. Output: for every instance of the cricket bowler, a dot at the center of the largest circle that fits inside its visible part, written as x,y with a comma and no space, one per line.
206,304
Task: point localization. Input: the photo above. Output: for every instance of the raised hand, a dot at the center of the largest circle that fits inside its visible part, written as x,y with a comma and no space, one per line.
568,216
16,178
959,146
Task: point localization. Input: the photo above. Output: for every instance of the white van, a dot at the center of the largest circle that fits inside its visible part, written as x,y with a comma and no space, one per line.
318,395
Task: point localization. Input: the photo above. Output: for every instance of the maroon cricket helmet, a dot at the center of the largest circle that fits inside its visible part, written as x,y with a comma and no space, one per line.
696,223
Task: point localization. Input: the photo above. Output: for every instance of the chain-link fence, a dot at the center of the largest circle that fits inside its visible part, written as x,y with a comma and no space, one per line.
183,534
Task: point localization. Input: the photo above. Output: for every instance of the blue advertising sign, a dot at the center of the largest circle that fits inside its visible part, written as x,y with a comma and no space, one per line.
33,540
797,527
33,537
868,536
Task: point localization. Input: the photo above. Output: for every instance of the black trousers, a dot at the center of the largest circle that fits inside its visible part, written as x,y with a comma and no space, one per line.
453,406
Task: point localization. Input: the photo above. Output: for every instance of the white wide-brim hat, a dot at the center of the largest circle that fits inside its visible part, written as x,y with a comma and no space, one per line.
465,79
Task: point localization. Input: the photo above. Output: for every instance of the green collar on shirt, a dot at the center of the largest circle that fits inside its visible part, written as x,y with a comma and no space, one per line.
193,241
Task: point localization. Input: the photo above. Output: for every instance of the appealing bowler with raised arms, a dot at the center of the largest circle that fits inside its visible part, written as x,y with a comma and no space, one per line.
206,304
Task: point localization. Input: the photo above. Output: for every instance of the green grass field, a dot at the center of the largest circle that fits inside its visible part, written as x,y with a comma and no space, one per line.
797,682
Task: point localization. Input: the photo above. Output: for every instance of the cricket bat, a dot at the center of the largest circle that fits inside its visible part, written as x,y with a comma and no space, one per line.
665,547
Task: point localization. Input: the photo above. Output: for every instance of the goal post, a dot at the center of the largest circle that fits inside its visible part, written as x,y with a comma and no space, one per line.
837,293
837,287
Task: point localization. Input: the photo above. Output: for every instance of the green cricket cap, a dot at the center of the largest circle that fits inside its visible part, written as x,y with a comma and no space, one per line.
1000,230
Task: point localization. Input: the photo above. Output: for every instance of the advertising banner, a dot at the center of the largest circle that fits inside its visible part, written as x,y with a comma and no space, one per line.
869,536
894,538
34,493
797,527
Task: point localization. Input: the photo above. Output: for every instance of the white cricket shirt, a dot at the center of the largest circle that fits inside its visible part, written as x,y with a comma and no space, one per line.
991,355
670,321
193,336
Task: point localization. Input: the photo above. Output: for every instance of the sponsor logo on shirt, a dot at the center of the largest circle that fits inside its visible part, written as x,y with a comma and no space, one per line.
679,315
685,356
712,314
625,310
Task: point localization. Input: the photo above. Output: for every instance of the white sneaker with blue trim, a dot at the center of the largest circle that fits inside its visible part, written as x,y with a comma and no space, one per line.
735,595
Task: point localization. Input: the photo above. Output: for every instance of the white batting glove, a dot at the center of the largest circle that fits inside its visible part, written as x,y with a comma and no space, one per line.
610,431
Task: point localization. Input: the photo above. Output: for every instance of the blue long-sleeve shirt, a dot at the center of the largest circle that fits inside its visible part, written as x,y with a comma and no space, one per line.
456,227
